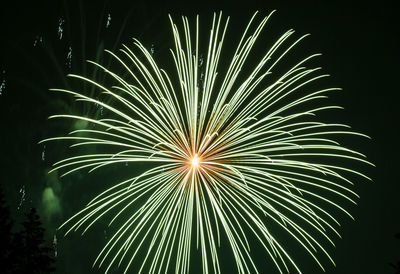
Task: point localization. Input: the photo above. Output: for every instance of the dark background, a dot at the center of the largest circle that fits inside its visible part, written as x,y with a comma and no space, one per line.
361,52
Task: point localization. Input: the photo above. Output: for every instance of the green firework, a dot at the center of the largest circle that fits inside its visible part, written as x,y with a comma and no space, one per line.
230,155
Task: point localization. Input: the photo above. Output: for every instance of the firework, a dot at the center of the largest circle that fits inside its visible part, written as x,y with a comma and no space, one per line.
231,157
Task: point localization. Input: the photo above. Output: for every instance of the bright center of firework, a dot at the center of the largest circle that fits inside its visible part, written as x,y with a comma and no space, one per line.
195,161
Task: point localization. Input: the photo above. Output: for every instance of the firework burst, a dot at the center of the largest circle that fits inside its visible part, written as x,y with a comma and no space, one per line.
229,156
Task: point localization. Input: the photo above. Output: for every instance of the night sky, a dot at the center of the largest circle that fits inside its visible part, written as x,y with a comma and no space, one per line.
42,42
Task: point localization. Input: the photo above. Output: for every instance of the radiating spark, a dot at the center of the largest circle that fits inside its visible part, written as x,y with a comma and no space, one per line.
38,39
69,57
108,20
152,49
231,156
201,60
23,196
3,82
60,29
55,245
43,152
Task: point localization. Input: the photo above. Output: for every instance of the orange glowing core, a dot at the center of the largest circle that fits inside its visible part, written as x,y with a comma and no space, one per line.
195,161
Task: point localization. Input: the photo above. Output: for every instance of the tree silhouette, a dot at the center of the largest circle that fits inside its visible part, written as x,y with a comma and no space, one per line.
33,256
25,251
5,231
396,265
